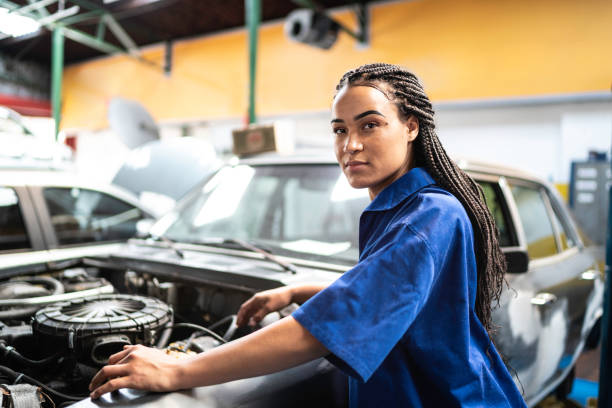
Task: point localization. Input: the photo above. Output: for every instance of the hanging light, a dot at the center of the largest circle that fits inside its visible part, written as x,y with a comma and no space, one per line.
14,25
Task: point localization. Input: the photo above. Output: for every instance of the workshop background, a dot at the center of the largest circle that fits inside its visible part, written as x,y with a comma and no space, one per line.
519,83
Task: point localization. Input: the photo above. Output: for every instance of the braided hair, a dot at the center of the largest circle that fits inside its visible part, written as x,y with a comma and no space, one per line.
404,90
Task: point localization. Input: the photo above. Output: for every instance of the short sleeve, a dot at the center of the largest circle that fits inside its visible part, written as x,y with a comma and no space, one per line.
365,313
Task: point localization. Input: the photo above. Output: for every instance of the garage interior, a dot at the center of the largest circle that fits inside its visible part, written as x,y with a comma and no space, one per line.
524,85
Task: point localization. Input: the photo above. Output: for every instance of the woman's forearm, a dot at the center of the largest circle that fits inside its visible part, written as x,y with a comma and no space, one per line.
276,347
301,293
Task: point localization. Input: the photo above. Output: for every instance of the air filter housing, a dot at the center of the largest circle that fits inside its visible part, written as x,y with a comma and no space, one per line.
97,327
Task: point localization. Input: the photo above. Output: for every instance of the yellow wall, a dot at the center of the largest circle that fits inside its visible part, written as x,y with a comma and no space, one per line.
468,49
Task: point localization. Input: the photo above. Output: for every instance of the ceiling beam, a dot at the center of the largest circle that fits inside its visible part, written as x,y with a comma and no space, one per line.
51,22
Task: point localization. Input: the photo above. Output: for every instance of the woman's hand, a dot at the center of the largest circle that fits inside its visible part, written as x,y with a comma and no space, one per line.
137,367
254,310
257,307
281,345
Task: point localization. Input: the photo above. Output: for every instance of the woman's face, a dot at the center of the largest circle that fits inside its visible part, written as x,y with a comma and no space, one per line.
373,145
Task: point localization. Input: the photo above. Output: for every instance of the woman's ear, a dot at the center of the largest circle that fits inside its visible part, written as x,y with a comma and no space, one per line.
412,127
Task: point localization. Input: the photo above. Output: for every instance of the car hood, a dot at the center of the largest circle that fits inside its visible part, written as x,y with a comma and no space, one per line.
227,267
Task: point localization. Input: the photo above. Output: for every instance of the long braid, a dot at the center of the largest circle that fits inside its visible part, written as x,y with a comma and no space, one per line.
403,88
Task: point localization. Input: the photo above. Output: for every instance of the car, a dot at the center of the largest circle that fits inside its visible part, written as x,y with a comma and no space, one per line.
49,215
270,221
22,148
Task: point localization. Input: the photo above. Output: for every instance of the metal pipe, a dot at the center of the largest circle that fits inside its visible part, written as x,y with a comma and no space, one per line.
57,67
91,41
121,35
539,100
59,15
34,6
253,18
45,300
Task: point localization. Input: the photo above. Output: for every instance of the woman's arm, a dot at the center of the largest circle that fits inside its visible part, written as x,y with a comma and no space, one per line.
276,347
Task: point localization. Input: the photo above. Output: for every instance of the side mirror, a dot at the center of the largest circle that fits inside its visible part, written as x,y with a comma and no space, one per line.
143,227
517,260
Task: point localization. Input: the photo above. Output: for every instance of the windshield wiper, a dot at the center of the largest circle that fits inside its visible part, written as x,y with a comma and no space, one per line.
170,244
247,245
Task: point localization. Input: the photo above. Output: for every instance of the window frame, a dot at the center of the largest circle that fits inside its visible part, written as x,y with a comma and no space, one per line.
49,231
545,195
498,184
30,221
556,206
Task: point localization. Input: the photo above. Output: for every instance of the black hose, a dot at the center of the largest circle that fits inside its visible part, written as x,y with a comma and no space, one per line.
56,286
25,311
14,376
200,328
221,322
8,351
231,329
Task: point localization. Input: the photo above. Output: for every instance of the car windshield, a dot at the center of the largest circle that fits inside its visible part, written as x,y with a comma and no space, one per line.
302,211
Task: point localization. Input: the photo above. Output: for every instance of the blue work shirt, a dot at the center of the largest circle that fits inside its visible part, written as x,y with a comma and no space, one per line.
402,322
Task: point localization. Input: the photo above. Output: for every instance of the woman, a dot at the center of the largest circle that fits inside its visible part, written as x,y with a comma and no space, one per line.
410,323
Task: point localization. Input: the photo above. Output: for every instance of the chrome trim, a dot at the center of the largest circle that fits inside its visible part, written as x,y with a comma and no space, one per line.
550,260
590,275
543,298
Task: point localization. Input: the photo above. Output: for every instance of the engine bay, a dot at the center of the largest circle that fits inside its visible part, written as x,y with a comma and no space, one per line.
58,328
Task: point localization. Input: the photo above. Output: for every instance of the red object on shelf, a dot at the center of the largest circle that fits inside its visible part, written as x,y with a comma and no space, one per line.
26,106
71,142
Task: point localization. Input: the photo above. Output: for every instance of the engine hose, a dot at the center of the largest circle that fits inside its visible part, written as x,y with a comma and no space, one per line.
201,329
166,333
231,329
25,311
57,286
8,351
14,376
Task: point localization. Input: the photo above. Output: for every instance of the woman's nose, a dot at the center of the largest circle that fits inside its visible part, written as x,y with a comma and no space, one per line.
353,144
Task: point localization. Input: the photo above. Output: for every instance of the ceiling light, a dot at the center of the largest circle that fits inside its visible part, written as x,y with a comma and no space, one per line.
16,25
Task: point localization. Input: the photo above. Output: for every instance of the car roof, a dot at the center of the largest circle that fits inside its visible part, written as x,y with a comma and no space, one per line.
60,178
325,157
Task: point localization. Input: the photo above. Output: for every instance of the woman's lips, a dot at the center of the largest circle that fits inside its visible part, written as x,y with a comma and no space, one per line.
355,165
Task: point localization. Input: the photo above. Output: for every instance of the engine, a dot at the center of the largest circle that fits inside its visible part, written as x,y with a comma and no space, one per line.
58,329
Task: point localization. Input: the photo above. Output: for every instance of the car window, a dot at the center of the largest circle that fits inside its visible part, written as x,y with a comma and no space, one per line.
565,236
536,221
13,233
308,211
83,216
494,198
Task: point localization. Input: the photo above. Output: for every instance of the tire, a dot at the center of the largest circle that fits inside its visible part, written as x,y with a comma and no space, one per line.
592,340
565,388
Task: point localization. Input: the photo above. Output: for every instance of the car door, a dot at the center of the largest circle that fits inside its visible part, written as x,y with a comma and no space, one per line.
584,285
517,328
21,241
544,310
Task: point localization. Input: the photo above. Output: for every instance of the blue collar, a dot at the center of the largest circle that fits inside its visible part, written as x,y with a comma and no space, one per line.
400,189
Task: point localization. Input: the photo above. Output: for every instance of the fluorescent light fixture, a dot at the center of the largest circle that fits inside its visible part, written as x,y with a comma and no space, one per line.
16,25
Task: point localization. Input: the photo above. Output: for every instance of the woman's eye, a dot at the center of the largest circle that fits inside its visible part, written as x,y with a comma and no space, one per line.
338,130
370,125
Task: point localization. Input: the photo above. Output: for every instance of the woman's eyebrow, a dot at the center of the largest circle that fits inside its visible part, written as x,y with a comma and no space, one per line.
366,113
361,115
